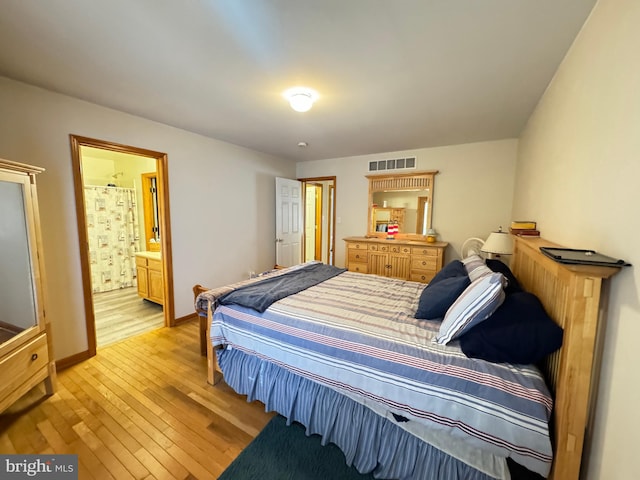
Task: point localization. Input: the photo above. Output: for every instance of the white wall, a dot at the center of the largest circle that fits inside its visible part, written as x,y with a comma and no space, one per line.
577,175
472,192
221,197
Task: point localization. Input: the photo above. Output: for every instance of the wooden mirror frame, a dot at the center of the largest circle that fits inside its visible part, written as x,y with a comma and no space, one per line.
398,182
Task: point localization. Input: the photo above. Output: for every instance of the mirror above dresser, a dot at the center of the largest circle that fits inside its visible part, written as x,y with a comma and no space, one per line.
398,243
405,200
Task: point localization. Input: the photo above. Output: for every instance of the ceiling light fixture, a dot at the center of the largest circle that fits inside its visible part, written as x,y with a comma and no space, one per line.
301,98
303,144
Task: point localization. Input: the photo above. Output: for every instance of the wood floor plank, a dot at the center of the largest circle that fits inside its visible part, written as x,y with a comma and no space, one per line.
6,445
218,437
166,397
83,472
157,469
105,445
172,427
61,425
90,461
140,409
217,404
54,439
121,314
107,413
154,441
106,457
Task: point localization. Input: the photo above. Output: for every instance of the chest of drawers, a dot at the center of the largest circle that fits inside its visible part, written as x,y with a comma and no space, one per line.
404,259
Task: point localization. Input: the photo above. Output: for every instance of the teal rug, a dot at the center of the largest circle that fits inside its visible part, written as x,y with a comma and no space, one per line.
286,453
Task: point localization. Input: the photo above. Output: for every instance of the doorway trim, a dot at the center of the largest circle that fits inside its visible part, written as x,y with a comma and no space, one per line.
165,238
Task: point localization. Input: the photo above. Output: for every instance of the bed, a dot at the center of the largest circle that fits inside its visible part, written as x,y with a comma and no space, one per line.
346,358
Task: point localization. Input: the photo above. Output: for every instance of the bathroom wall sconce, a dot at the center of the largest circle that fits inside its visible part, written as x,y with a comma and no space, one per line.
301,98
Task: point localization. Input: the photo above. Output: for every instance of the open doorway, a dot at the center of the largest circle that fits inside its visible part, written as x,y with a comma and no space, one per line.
128,286
319,219
313,221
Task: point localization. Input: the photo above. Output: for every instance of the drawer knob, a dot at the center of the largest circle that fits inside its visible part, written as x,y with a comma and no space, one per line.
424,263
34,357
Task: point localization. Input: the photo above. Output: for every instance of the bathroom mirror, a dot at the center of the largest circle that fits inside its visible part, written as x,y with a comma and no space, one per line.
405,199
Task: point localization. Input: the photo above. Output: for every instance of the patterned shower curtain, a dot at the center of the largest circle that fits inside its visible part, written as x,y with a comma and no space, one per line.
112,228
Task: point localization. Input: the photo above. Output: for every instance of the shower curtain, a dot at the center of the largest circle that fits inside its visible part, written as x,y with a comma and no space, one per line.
112,229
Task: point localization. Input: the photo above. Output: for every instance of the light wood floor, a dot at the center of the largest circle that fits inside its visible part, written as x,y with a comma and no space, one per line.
139,409
122,314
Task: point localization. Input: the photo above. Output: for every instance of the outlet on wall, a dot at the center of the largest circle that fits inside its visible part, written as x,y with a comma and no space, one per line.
252,274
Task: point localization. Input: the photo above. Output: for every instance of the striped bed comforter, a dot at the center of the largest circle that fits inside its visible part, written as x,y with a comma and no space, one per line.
356,334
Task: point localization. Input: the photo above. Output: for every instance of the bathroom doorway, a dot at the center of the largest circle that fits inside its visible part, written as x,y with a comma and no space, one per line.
319,218
128,286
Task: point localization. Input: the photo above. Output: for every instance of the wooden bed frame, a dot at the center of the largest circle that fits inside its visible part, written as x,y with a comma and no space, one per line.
573,295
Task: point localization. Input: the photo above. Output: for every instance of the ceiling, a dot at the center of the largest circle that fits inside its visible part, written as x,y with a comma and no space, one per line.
392,74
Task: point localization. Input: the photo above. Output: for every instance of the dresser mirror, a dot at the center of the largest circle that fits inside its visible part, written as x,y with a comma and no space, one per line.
402,199
17,298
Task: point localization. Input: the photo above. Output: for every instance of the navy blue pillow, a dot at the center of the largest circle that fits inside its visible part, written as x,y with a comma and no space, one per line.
519,331
454,268
437,297
512,284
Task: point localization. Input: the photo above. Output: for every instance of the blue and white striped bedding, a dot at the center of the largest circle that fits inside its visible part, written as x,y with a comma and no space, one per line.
356,334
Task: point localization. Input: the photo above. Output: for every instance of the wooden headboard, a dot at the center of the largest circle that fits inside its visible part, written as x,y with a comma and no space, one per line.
572,296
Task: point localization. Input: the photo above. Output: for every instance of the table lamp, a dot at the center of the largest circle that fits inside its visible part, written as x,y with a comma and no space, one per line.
497,244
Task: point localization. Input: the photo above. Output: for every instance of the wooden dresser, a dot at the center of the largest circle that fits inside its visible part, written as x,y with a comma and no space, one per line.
406,259
26,357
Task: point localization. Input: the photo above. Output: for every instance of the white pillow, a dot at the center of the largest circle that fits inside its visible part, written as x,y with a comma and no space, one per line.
475,267
478,301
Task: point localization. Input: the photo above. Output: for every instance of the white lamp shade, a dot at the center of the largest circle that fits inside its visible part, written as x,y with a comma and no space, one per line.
499,243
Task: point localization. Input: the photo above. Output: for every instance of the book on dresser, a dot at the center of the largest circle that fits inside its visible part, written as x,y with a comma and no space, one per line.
523,225
524,232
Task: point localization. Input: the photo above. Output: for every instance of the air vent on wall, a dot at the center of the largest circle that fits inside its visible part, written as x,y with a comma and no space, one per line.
392,164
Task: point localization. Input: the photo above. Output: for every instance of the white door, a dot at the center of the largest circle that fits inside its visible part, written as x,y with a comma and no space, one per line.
288,222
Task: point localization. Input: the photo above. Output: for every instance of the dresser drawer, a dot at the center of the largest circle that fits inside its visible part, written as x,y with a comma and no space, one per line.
378,248
357,245
424,277
424,263
141,261
154,265
358,267
427,251
22,364
358,256
400,249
